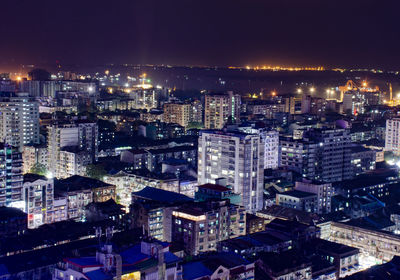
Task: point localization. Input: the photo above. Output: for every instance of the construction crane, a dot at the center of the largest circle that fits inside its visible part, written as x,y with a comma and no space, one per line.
350,85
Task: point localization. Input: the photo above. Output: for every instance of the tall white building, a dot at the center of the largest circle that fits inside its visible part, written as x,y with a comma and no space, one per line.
220,108
19,120
11,178
81,135
392,137
271,140
239,158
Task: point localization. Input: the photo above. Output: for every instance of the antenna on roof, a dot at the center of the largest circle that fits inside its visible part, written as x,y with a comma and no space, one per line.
109,234
98,234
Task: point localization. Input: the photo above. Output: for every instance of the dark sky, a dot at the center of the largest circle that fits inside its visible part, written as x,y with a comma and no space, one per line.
218,32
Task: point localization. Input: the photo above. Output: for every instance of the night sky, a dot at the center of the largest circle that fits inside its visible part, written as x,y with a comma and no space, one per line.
330,33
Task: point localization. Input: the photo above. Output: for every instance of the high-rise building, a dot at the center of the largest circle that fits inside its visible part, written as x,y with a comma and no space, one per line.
392,137
196,112
221,108
38,197
177,113
322,154
11,178
236,156
82,135
19,120
271,140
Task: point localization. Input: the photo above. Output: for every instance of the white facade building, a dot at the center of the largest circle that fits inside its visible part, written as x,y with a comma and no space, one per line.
324,192
19,120
392,138
33,154
271,140
236,156
80,135
219,108
38,197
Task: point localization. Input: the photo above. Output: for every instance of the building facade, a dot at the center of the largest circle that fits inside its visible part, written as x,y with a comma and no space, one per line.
11,179
392,136
219,108
177,113
34,155
322,154
324,192
82,136
38,195
19,120
236,156
201,225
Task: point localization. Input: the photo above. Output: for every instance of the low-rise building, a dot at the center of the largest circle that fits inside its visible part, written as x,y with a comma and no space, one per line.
362,160
324,192
286,265
73,161
13,222
345,258
34,155
254,223
60,208
300,200
251,244
151,210
219,266
213,191
38,195
200,225
80,191
148,260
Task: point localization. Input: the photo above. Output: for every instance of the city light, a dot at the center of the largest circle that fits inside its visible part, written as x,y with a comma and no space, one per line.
49,175
299,90
312,89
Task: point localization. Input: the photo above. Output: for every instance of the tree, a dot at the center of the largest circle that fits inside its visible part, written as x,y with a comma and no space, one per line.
39,169
95,171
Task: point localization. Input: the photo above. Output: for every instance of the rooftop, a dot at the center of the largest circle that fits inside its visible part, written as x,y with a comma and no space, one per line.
77,183
298,194
149,193
214,187
282,263
333,247
30,177
278,211
10,212
210,263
